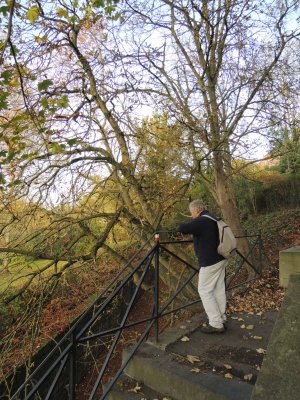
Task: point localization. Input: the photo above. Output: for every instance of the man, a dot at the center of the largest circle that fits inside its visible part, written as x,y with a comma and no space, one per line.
211,285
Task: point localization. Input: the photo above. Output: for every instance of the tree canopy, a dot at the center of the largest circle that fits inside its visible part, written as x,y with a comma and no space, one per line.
109,110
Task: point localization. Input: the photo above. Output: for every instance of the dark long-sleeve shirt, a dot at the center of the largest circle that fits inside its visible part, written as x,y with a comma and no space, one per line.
206,238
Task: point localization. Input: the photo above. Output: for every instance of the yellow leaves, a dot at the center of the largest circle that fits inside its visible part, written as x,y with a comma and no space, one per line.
33,14
62,12
14,82
41,39
196,370
227,366
228,376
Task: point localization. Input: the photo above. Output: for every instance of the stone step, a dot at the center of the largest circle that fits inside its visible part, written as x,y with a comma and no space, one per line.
224,367
241,348
170,374
129,389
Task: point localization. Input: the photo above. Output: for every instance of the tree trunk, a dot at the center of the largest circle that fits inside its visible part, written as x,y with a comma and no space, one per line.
225,197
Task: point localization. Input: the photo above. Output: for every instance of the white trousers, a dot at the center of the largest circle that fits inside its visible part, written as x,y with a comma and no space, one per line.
211,288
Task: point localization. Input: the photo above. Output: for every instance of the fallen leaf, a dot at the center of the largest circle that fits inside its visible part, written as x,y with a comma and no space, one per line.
250,327
257,337
185,339
243,326
136,389
228,376
235,318
261,351
240,319
196,370
182,327
227,366
248,377
192,359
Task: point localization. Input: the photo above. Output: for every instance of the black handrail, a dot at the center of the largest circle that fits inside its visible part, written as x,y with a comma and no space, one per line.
77,335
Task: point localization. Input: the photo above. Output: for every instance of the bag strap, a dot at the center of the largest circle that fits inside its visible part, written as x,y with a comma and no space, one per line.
208,216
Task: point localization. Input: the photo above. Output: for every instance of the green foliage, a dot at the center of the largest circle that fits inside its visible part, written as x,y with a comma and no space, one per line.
290,161
63,101
6,76
4,10
44,85
247,190
281,194
56,148
3,100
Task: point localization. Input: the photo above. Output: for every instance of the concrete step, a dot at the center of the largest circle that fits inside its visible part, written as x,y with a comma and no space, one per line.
237,348
171,374
225,367
129,389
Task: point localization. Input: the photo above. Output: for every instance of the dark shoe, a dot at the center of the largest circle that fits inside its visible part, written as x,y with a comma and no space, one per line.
210,329
206,323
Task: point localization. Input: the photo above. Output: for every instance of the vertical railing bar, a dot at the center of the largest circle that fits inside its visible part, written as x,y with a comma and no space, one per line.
260,251
117,335
156,291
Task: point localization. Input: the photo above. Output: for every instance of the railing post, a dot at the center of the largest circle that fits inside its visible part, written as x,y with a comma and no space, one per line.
156,288
260,251
72,367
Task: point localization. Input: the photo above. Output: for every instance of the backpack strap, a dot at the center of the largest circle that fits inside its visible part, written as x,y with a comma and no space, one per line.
208,216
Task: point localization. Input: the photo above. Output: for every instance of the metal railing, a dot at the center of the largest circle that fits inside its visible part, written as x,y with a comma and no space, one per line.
59,369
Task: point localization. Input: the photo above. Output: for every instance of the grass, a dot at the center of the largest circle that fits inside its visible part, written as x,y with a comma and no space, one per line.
21,269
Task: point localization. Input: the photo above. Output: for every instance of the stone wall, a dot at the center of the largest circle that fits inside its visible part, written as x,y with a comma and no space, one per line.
289,264
279,378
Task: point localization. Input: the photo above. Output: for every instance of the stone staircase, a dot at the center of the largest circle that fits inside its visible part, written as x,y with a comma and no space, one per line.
187,364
